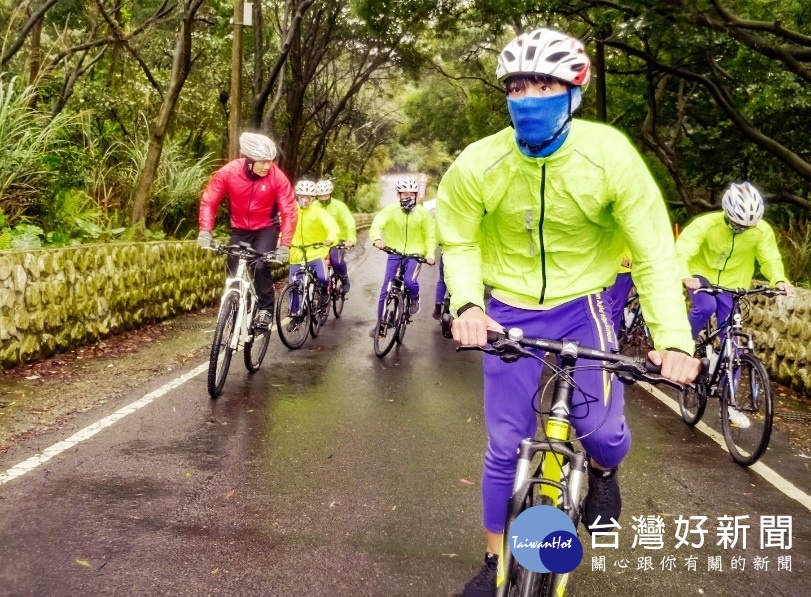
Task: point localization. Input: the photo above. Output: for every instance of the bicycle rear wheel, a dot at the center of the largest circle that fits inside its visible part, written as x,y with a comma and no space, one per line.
747,411
220,358
338,297
255,349
387,325
292,317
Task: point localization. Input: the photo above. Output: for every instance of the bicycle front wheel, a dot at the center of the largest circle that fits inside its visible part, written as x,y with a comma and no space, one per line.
220,359
387,325
292,317
402,323
747,411
255,349
338,297
693,401
318,312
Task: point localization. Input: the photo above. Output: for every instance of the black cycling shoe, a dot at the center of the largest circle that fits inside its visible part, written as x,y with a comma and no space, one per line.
603,500
484,583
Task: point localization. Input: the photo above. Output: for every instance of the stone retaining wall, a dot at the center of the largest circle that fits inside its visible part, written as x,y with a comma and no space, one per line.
55,299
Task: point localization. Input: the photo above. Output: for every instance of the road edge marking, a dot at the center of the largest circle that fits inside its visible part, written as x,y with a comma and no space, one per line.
780,483
30,464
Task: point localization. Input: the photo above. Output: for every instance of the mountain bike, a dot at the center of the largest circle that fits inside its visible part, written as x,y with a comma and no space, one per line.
551,470
737,378
391,326
299,310
237,318
634,335
336,286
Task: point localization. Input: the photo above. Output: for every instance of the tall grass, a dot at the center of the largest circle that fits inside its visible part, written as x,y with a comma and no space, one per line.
28,137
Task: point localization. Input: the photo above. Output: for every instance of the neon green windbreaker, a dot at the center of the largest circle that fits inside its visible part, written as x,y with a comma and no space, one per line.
545,231
707,247
314,225
411,232
344,218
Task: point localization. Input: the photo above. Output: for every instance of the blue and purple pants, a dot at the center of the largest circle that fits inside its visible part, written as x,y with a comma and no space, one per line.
618,295
412,270
704,305
441,287
336,259
509,388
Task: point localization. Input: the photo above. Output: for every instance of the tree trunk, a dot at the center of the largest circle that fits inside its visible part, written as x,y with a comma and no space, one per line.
235,121
181,65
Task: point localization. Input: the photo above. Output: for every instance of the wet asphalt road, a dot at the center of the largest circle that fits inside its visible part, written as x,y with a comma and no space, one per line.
332,472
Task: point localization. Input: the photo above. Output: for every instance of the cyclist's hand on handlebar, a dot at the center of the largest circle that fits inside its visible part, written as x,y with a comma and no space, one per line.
283,253
430,260
470,328
379,244
204,239
676,366
692,283
785,287
348,244
328,242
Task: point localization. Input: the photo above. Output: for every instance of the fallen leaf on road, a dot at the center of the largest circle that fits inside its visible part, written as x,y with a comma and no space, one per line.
394,507
188,475
466,482
32,377
230,494
451,555
470,419
215,571
84,563
334,504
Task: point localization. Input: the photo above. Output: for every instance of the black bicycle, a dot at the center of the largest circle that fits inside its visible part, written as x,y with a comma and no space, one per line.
634,335
336,285
391,326
300,310
737,378
237,319
556,477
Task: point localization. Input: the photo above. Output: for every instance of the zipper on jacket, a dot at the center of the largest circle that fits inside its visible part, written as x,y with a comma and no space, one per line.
540,233
727,259
250,202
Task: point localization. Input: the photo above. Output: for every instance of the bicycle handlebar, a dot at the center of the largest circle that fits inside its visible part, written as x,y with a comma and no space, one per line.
714,289
419,258
513,345
244,251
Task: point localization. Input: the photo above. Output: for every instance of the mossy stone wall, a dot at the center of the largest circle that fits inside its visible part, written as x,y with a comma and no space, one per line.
56,298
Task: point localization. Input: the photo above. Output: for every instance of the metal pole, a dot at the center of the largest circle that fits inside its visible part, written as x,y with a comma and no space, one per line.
235,100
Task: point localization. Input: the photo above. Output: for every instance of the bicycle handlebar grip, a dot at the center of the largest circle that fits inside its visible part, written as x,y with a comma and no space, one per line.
652,368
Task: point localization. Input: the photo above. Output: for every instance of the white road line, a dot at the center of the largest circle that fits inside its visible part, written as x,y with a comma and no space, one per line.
783,485
27,466
30,464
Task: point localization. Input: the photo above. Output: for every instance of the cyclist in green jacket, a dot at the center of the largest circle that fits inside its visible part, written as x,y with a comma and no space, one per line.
407,228
314,226
346,222
721,248
541,213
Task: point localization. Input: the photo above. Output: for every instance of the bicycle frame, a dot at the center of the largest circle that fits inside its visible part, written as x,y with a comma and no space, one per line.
730,350
241,284
548,475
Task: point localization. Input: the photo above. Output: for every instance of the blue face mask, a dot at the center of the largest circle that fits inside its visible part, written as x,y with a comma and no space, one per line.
542,123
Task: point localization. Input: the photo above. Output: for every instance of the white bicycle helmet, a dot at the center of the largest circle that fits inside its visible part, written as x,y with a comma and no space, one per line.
407,185
257,147
545,52
743,204
306,188
324,187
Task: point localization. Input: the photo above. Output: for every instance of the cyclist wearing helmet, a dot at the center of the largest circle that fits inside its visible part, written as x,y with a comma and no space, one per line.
721,248
541,214
346,222
407,228
257,190
315,225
